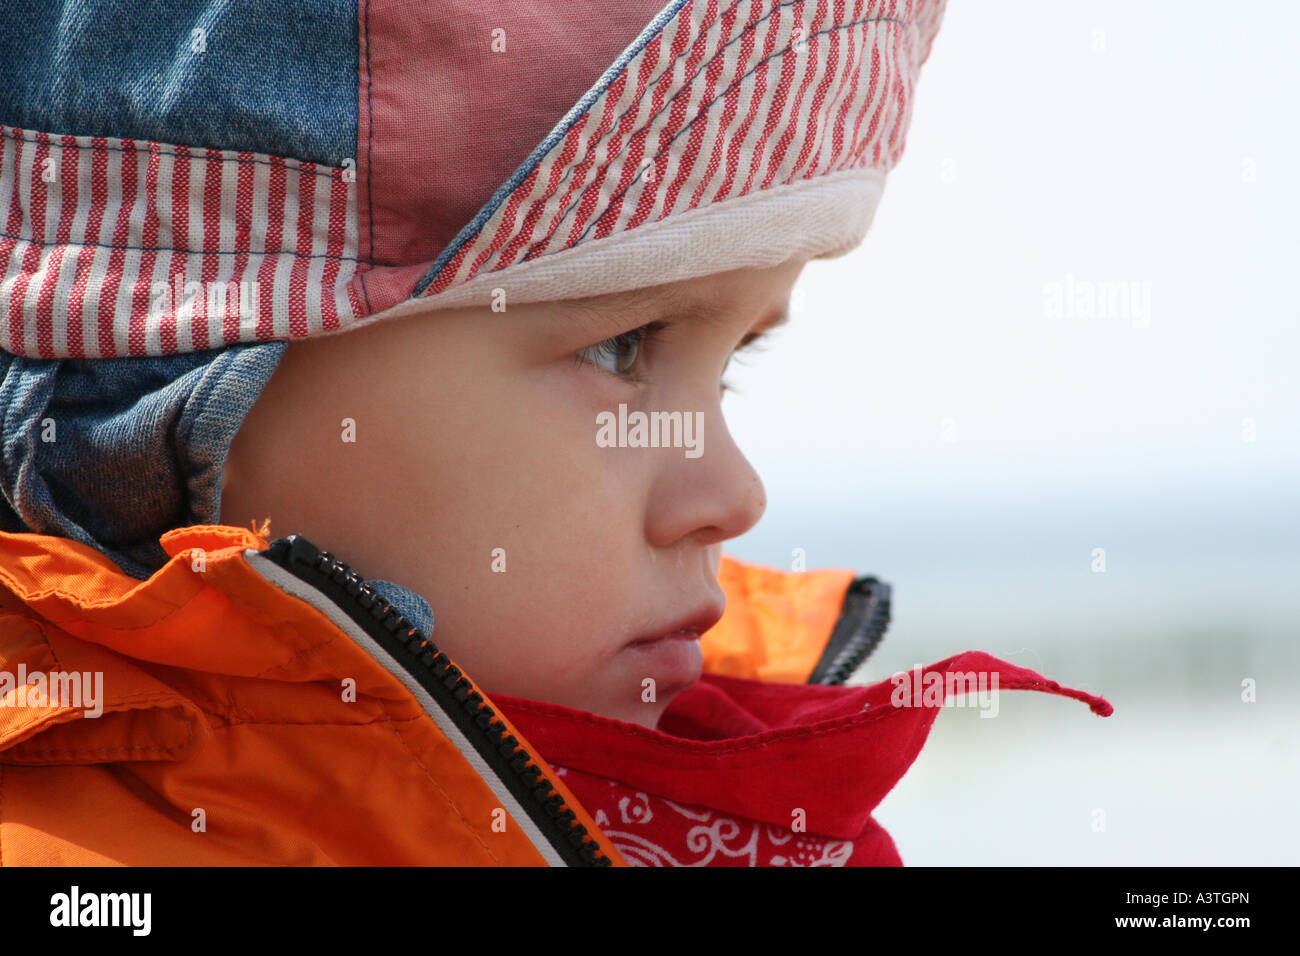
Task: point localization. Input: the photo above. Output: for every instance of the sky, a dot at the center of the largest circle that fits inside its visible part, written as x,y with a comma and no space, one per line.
1147,144
946,410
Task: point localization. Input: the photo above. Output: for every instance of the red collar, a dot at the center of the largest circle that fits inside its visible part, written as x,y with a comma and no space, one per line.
760,751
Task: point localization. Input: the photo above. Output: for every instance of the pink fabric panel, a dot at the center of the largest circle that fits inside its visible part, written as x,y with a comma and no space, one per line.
444,120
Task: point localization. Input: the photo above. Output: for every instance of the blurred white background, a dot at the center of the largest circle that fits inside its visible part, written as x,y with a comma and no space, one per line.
928,418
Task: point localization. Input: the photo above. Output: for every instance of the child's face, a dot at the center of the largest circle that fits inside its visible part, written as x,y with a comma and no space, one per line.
479,476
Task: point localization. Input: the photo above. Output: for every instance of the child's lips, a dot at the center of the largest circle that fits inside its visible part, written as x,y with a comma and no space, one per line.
681,635
688,628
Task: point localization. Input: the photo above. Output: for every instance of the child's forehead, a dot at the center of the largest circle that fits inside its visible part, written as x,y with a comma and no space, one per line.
702,294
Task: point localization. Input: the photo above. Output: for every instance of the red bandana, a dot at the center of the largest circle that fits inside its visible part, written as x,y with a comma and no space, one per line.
749,773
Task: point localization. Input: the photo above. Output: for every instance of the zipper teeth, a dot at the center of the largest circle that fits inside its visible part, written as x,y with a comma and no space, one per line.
450,676
868,633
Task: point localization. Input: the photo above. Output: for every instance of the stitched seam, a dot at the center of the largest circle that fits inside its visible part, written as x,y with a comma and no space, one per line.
192,252
559,134
701,114
82,751
832,724
39,726
389,719
749,742
287,163
684,88
370,140
145,695
370,309
473,831
293,658
303,652
594,144
204,702
392,724
140,748
228,724
67,595
110,602
554,260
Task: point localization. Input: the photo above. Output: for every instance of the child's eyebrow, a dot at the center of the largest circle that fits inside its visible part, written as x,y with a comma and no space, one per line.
667,302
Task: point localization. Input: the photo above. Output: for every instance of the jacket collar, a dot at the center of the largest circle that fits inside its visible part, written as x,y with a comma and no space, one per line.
755,740
137,634
227,606
777,627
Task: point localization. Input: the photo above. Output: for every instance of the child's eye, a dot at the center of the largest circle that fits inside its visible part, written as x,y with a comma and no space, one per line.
619,353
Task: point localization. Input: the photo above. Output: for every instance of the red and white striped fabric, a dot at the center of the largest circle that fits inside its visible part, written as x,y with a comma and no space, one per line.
804,105
102,237
727,134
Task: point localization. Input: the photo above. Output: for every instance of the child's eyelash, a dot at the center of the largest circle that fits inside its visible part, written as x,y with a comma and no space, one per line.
637,336
613,346
748,345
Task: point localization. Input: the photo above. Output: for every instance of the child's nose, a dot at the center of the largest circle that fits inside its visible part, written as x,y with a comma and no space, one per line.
713,495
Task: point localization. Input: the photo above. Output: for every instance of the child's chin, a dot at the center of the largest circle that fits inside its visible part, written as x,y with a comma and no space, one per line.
672,663
658,673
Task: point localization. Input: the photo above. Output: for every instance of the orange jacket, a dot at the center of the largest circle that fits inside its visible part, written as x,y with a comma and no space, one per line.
260,705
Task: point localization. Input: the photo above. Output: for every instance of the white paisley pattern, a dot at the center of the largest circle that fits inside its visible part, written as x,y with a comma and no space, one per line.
711,839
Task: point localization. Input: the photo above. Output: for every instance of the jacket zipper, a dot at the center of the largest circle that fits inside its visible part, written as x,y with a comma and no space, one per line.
861,627
449,687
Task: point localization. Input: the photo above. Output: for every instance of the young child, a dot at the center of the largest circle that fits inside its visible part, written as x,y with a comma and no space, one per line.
464,342
477,479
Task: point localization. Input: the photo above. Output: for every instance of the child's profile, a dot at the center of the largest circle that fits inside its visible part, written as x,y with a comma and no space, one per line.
474,477
489,271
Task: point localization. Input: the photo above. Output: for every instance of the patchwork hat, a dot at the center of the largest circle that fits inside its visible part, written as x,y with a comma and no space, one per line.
181,175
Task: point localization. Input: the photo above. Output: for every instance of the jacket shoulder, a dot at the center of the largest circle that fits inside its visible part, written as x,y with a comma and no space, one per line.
795,627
